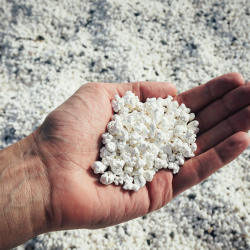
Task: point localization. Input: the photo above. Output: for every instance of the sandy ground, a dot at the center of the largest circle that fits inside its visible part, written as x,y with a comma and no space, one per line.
50,48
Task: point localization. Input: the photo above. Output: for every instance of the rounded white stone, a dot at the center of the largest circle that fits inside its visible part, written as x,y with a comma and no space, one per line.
111,147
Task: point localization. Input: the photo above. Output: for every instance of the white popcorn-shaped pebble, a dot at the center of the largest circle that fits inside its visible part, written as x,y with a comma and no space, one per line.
145,119
141,128
111,146
193,124
143,138
140,181
148,175
159,163
152,129
131,186
184,117
184,108
191,117
193,147
106,160
116,117
104,153
107,178
123,135
98,167
140,163
180,159
154,149
116,127
121,145
107,137
117,163
176,168
135,187
110,125
116,166
186,150
137,171
135,152
164,157
131,162
159,137
179,130
171,158
130,100
118,103
196,130
128,169
118,180
173,165
168,148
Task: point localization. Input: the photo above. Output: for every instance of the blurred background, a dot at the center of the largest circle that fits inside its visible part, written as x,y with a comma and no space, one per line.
48,49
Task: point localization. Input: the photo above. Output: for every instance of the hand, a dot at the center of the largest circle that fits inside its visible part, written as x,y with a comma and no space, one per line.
69,142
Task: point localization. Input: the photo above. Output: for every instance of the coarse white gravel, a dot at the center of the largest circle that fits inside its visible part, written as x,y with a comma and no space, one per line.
50,48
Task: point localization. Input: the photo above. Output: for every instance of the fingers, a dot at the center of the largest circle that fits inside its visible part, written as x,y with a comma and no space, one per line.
201,96
202,166
224,107
240,121
144,90
159,189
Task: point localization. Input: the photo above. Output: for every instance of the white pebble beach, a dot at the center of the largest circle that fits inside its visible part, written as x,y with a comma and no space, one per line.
48,49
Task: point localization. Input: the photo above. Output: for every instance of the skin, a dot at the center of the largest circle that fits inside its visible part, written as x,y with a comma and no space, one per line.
49,172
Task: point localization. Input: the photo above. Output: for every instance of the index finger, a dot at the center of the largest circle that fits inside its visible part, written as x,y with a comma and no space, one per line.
201,96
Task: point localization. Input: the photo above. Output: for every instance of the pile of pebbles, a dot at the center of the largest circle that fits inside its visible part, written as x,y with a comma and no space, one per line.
50,48
143,138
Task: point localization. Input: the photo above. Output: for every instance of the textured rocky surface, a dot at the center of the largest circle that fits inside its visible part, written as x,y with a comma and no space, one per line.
50,48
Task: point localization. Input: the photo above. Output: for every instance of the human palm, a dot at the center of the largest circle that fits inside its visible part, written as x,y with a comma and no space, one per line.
69,142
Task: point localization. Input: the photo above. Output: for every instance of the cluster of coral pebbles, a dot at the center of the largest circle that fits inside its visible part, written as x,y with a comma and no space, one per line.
143,138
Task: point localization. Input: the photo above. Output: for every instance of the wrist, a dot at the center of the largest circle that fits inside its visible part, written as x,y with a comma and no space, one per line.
24,193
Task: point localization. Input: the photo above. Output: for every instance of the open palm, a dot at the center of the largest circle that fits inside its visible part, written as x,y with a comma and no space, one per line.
69,141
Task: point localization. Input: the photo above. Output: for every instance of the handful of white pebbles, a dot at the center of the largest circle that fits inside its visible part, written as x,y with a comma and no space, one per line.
143,138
